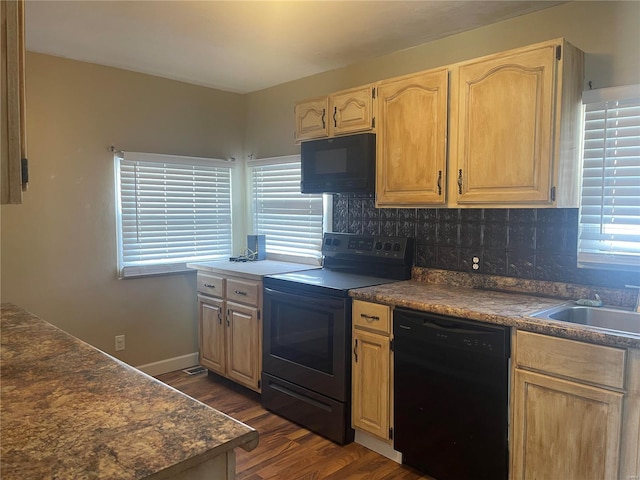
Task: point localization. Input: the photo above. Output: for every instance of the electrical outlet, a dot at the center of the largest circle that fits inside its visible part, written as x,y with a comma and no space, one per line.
119,343
476,263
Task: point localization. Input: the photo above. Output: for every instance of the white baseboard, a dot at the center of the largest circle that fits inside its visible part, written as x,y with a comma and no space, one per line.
378,446
170,364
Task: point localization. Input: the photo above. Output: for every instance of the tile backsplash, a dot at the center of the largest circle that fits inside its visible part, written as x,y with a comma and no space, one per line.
537,244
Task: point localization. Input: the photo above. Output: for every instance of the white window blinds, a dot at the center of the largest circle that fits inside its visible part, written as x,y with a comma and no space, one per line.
609,229
291,221
171,210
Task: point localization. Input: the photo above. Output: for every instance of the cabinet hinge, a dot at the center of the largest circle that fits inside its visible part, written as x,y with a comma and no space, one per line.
553,194
391,345
373,122
391,434
558,52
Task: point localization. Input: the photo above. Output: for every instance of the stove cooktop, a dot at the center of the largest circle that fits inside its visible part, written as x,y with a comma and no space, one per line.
352,261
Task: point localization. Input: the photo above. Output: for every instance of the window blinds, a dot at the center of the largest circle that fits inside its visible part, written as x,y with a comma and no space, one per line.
171,210
291,221
609,225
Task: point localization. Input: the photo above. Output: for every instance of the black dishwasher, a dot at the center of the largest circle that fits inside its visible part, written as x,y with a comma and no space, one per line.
451,394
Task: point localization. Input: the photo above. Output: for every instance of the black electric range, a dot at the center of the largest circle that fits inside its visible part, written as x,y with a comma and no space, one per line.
307,329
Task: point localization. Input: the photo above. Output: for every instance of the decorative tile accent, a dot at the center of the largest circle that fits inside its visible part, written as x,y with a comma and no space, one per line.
447,258
521,237
494,262
520,266
495,235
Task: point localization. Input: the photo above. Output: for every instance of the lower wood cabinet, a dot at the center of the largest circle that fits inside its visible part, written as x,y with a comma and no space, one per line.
564,429
243,345
230,334
567,404
371,364
212,334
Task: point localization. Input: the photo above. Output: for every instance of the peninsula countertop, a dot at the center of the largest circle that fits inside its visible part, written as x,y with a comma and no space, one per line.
69,410
497,307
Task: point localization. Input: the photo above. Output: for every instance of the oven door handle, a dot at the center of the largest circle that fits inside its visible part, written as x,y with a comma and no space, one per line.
323,302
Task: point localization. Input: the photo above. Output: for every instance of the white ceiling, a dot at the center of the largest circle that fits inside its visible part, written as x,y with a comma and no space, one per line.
244,46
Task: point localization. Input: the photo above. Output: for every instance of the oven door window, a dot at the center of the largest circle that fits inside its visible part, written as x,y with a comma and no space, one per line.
303,335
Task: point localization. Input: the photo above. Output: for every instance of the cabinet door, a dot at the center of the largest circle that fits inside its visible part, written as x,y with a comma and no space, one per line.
412,140
370,410
244,353
563,429
502,129
212,333
351,110
12,102
311,118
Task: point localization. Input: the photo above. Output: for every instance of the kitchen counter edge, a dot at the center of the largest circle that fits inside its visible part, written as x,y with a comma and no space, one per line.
500,308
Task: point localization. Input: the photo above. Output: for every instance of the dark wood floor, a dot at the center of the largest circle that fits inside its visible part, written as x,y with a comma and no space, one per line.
286,451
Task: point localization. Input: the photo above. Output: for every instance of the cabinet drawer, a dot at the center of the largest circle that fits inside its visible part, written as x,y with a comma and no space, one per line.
371,316
595,364
243,291
211,284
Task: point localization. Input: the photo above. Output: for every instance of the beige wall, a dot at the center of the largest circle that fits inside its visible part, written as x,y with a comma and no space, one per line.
59,248
606,31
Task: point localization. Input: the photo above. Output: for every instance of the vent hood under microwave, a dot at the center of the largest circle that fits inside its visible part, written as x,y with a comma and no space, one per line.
344,164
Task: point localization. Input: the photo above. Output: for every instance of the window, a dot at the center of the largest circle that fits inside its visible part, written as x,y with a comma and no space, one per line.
171,210
609,229
292,221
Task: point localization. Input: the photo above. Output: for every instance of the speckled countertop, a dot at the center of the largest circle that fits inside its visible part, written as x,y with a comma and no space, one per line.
70,411
497,307
253,270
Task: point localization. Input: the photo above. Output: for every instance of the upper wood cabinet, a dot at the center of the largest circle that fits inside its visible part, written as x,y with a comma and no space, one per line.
343,112
411,142
513,121
515,128
13,148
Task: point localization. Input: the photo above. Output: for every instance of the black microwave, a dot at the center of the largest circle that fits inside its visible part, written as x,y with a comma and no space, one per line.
339,165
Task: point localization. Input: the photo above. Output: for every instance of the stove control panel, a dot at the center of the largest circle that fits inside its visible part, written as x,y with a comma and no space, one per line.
347,244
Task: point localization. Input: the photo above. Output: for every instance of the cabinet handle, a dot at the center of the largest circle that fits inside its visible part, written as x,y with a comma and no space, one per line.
209,285
335,112
228,324
439,182
323,115
239,292
355,351
460,181
370,318
220,316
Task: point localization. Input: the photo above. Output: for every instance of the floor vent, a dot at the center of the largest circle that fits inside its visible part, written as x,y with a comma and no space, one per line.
194,370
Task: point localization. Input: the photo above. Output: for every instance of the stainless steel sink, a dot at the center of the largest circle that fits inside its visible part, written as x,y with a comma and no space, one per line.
600,317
